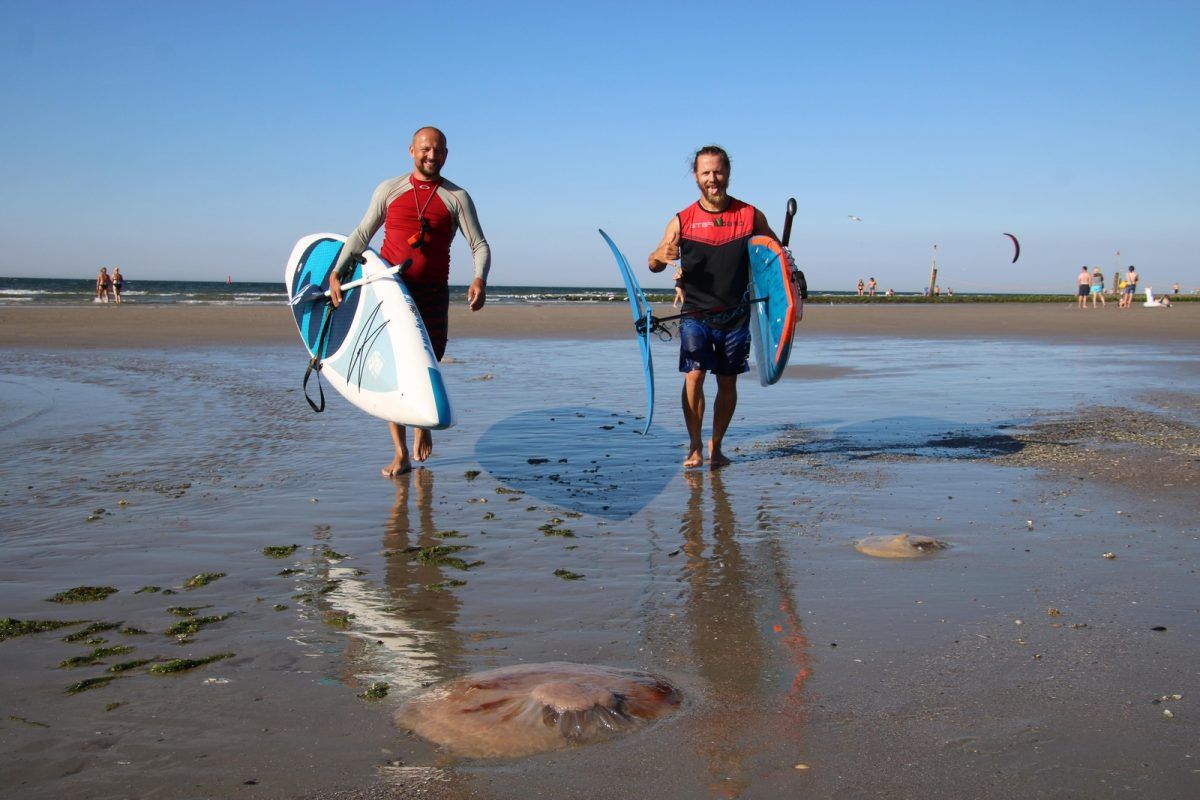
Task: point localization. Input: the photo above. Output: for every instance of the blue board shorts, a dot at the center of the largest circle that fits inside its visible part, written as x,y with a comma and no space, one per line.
713,350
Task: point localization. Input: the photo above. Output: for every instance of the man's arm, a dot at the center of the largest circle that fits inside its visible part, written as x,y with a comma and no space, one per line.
761,227
668,249
357,241
481,252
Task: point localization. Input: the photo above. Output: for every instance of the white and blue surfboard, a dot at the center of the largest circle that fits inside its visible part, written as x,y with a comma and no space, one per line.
376,352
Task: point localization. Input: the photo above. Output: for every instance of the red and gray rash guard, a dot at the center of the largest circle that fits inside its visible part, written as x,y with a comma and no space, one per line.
398,205
714,257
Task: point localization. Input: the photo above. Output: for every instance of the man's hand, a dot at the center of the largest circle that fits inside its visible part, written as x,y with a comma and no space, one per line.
335,289
668,249
477,294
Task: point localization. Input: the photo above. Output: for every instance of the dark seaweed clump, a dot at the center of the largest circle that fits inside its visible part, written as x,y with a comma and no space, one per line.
191,625
90,683
87,633
184,664
202,579
442,555
280,551
377,691
567,575
10,628
94,656
83,594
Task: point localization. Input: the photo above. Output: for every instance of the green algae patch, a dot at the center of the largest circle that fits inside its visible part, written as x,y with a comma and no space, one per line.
202,579
337,619
90,683
331,554
289,571
192,625
567,575
186,611
185,664
98,654
149,590
28,722
506,490
279,607
83,594
11,628
444,585
113,706
131,631
551,530
376,691
90,631
280,551
126,666
471,474
442,555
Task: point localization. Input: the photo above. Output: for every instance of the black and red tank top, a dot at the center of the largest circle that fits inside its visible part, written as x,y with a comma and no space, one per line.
715,261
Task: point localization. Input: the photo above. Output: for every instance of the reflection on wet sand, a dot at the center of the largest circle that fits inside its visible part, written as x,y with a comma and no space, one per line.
728,594
422,593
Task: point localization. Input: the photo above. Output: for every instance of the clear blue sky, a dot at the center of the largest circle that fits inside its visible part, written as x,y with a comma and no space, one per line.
196,140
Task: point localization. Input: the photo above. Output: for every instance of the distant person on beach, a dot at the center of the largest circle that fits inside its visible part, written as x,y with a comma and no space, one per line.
118,283
937,290
891,292
420,212
709,239
1098,288
871,287
103,285
1083,286
949,291
1131,279
1175,289
860,287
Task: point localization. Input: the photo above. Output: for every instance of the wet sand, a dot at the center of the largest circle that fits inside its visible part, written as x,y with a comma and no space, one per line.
161,326
1022,661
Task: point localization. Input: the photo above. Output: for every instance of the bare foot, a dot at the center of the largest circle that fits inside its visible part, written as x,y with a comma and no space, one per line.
399,466
422,444
716,459
694,459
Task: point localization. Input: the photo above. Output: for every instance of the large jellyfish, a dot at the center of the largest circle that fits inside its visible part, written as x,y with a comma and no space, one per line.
534,708
903,546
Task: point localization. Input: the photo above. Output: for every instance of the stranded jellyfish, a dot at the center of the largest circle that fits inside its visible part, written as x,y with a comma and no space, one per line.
902,546
533,708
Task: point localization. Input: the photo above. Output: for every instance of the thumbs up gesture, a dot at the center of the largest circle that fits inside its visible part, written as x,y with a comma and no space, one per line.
668,249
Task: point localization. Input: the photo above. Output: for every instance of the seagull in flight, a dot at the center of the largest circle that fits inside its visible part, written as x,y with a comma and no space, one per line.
854,218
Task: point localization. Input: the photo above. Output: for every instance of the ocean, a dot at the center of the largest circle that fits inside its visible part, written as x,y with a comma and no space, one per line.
71,292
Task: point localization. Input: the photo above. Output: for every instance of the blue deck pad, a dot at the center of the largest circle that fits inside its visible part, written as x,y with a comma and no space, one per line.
774,323
314,270
641,314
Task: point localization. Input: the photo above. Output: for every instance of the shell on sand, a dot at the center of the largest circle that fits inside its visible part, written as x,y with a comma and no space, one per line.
903,546
534,708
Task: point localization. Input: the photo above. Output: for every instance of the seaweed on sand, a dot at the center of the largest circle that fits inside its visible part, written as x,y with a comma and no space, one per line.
185,664
10,628
567,575
192,625
442,555
280,551
94,656
202,579
83,594
90,683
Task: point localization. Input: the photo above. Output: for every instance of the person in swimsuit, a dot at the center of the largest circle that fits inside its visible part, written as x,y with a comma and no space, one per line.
709,238
118,283
420,212
1131,279
103,285
1084,282
1098,287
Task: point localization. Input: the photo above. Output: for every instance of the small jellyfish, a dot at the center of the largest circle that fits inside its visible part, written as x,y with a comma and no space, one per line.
534,708
903,546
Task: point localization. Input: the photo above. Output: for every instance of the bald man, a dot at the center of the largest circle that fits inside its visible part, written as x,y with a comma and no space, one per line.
420,213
